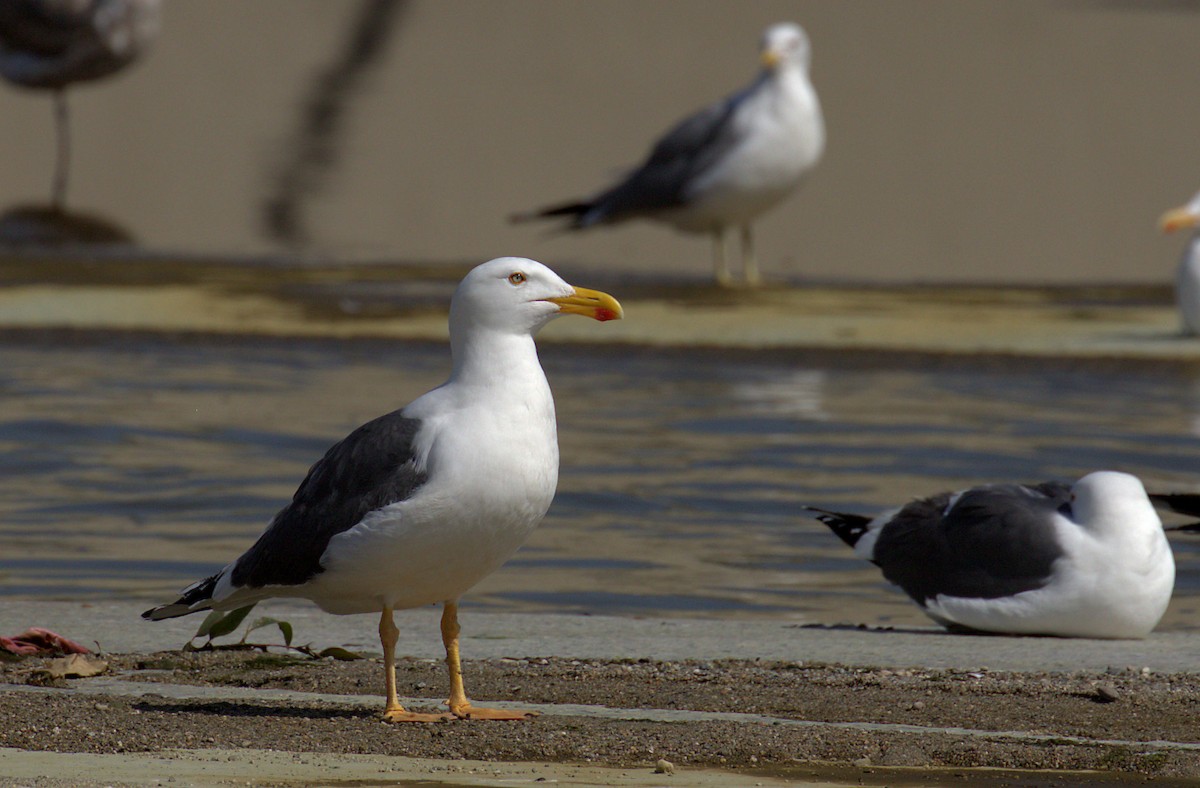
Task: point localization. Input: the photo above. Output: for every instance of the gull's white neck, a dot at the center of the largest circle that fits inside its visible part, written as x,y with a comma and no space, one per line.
1132,521
487,357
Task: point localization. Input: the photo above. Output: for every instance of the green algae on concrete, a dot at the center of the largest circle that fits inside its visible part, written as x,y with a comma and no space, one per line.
409,302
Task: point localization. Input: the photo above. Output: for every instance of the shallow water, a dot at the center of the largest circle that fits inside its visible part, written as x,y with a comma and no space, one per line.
130,466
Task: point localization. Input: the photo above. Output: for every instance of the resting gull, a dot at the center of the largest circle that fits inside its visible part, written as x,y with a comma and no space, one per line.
1187,276
1083,560
50,44
727,164
417,506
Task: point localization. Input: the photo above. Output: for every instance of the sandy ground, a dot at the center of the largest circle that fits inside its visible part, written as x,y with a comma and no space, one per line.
754,719
728,702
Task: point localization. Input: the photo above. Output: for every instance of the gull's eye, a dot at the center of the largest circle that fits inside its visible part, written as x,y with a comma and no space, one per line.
516,278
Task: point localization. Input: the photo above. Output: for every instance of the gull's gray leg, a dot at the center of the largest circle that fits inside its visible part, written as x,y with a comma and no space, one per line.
749,258
721,257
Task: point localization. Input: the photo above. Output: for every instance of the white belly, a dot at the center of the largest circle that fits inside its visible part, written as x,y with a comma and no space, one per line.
768,163
399,558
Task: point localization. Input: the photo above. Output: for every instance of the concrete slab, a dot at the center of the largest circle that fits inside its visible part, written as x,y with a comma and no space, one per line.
117,627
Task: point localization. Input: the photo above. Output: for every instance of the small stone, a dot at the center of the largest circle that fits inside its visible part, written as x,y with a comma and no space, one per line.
1107,693
862,763
663,766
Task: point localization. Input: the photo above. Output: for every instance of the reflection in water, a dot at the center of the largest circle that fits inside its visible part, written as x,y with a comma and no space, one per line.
47,225
130,466
796,393
314,149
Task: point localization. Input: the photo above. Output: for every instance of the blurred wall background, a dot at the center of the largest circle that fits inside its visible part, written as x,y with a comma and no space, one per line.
969,140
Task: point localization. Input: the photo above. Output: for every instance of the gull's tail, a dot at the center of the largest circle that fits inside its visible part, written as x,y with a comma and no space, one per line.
1181,503
849,527
196,597
574,211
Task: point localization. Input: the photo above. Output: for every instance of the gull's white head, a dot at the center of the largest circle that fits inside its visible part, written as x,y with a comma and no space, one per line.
1105,500
785,44
1182,217
519,296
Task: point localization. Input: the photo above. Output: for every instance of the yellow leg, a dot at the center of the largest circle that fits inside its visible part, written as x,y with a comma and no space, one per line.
458,703
393,711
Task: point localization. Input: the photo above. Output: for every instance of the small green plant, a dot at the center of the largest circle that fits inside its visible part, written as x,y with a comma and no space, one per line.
219,624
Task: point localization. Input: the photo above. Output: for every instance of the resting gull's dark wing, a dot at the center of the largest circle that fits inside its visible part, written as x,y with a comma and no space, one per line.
993,542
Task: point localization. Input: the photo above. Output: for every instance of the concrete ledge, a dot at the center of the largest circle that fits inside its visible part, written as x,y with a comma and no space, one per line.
409,301
118,628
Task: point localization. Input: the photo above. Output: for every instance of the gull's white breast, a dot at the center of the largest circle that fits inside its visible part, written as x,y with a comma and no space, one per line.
493,470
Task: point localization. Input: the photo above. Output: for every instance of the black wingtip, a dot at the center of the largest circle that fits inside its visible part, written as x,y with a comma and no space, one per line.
848,527
192,599
167,612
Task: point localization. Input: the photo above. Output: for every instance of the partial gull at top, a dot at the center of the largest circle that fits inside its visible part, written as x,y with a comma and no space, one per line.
1187,275
725,165
51,44
1083,560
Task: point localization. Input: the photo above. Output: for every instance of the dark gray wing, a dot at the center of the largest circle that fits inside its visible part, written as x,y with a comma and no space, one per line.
683,154
995,542
370,468
42,28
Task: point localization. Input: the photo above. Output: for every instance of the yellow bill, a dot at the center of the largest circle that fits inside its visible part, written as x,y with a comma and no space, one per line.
590,303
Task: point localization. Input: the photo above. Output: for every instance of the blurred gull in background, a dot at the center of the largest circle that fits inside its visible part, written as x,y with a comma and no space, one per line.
1187,276
727,164
49,44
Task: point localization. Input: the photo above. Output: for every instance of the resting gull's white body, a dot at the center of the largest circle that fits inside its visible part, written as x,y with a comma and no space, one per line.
1089,560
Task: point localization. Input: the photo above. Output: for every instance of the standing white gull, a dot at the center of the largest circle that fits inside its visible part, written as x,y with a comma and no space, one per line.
1187,276
725,165
419,505
50,44
1082,560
